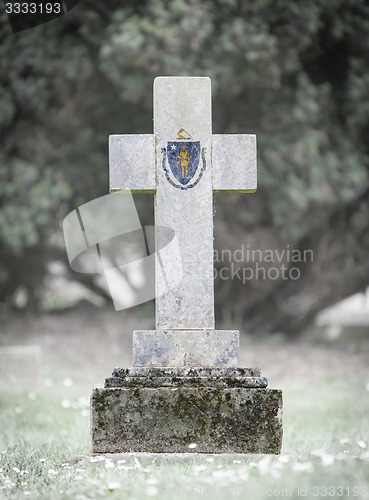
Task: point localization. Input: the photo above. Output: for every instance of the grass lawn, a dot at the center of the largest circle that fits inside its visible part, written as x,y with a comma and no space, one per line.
325,451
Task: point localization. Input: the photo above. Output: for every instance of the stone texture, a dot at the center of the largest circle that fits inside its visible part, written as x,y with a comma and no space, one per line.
234,162
131,161
185,347
168,420
251,382
192,371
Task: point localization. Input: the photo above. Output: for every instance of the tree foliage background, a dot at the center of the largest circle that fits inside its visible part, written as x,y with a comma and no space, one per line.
294,73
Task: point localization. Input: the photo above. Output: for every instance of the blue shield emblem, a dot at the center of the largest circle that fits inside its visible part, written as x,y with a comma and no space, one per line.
183,159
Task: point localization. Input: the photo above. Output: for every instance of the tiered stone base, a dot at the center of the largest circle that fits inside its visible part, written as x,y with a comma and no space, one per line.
154,409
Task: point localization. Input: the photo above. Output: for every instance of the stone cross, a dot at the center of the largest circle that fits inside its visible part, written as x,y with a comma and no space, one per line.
185,391
183,163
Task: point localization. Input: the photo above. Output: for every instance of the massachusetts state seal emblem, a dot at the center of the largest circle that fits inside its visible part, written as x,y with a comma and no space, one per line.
183,159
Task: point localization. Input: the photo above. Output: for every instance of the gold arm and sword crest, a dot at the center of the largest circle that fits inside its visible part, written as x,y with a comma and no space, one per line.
181,137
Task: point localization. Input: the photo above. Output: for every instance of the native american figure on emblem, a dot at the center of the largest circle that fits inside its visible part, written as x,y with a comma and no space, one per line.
183,156
183,159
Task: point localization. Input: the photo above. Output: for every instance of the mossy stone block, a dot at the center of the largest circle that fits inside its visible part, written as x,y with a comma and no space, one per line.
168,420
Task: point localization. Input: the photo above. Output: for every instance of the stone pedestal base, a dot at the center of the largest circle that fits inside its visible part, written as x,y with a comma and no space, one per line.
221,410
185,347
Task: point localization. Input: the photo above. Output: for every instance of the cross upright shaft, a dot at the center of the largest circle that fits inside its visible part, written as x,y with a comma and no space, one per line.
183,140
180,105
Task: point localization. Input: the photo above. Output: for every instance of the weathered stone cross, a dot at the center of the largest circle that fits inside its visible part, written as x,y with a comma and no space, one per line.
183,163
185,391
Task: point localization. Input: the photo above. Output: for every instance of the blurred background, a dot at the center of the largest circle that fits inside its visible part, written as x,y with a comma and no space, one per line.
294,73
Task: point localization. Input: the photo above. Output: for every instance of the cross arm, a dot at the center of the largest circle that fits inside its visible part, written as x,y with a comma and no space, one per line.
234,162
132,163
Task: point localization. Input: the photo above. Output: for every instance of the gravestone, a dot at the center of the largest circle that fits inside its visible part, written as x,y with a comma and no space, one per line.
185,386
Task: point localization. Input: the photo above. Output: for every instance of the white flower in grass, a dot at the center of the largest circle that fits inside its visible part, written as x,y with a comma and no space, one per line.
94,459
52,472
303,467
210,459
225,474
42,460
344,440
327,460
121,461
199,467
361,444
85,413
243,474
83,401
152,480
152,491
18,410
109,465
15,469
219,473
114,485
277,465
192,446
67,382
264,464
26,492
318,453
8,483
65,403
275,473
341,456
